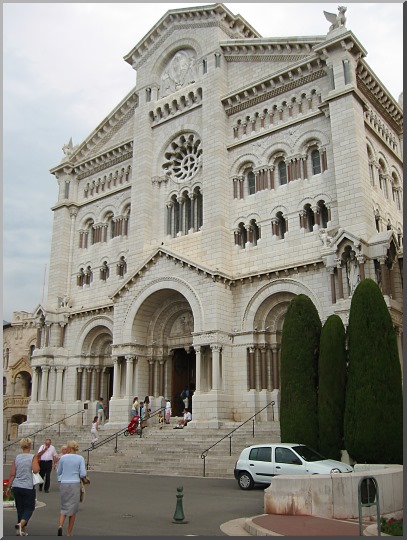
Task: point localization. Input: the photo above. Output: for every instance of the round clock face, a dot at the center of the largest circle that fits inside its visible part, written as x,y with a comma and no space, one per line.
183,158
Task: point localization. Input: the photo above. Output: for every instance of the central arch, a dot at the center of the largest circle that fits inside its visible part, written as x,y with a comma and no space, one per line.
163,328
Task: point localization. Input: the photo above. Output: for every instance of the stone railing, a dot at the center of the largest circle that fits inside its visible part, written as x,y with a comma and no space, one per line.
15,402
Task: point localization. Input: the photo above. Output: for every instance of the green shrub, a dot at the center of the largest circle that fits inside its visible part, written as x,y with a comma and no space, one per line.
299,361
331,387
373,427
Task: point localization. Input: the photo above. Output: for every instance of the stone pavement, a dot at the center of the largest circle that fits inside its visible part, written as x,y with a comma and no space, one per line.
291,526
118,504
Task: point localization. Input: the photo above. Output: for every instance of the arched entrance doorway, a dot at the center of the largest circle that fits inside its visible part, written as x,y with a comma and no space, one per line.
183,380
162,329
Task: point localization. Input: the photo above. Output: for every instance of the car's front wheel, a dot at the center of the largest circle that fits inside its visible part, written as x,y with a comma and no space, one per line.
245,481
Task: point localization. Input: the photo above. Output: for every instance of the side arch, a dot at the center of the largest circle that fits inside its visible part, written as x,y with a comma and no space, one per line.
280,286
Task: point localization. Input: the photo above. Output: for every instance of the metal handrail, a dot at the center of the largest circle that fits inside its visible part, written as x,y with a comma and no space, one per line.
34,433
205,452
115,436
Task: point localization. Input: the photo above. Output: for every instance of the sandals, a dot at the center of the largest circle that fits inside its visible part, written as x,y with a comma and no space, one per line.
20,531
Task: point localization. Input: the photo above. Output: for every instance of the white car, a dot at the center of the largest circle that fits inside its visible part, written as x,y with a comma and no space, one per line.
259,463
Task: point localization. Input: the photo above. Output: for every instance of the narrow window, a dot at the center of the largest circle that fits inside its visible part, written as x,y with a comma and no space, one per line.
282,173
67,190
204,66
148,95
217,60
316,162
281,225
251,180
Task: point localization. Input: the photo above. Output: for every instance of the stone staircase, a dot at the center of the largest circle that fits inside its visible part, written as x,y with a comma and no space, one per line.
165,451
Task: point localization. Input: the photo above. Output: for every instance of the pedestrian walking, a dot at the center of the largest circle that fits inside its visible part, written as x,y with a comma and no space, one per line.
101,411
167,411
21,479
94,430
71,468
134,411
48,457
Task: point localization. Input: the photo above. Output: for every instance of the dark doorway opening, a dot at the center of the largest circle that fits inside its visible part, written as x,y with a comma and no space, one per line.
183,377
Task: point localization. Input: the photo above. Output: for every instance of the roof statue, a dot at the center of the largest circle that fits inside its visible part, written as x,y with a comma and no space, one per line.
336,20
68,148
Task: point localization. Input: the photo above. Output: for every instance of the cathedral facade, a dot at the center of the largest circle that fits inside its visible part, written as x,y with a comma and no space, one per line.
240,171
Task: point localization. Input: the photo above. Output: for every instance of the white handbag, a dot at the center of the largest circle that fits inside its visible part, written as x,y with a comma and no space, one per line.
37,479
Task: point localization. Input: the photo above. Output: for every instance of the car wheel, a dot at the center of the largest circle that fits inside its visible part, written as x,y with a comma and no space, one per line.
126,433
245,481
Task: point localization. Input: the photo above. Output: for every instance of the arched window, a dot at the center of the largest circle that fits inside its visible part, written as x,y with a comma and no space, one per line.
104,271
88,275
241,236
7,358
80,279
254,232
32,349
4,386
323,214
251,182
309,218
121,267
282,172
316,162
280,225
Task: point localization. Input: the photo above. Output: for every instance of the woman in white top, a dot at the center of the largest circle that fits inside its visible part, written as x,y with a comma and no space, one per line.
71,468
94,430
21,478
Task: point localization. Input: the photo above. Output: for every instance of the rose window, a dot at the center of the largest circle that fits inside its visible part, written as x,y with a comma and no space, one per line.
183,157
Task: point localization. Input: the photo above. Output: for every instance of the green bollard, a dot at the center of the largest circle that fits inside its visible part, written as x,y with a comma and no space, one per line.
179,512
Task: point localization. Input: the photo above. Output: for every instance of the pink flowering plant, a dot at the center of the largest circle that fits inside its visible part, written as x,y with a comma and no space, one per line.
391,526
8,494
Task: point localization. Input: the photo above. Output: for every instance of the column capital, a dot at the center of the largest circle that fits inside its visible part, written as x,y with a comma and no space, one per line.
216,347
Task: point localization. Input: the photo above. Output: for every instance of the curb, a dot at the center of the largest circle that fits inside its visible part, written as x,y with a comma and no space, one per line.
255,530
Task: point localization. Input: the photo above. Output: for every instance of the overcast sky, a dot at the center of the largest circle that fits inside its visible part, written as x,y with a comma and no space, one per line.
63,72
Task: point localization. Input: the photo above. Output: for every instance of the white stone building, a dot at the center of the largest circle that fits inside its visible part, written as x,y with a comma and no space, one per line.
240,172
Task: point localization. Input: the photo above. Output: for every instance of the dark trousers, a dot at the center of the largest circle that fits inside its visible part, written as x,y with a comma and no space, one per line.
25,502
45,472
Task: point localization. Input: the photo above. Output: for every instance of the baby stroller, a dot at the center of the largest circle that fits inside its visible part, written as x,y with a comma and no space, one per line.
134,428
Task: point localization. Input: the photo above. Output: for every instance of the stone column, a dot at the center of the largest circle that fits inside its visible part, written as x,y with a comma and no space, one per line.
198,369
58,390
116,377
129,375
47,333
215,366
252,368
97,383
39,336
340,279
62,334
89,373
73,212
331,271
79,375
385,275
263,366
150,377
361,261
44,383
276,374
34,385
161,378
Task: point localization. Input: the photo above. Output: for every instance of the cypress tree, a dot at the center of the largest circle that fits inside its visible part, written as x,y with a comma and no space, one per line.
299,360
373,413
331,387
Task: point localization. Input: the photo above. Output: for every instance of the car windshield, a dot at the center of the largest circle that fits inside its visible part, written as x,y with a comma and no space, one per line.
308,454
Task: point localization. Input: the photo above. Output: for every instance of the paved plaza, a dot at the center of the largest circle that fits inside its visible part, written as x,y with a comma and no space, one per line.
118,504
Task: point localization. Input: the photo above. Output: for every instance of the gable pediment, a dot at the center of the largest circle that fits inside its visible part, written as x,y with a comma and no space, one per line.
105,143
234,26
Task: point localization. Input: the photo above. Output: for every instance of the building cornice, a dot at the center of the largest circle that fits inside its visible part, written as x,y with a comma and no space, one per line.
280,82
285,49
